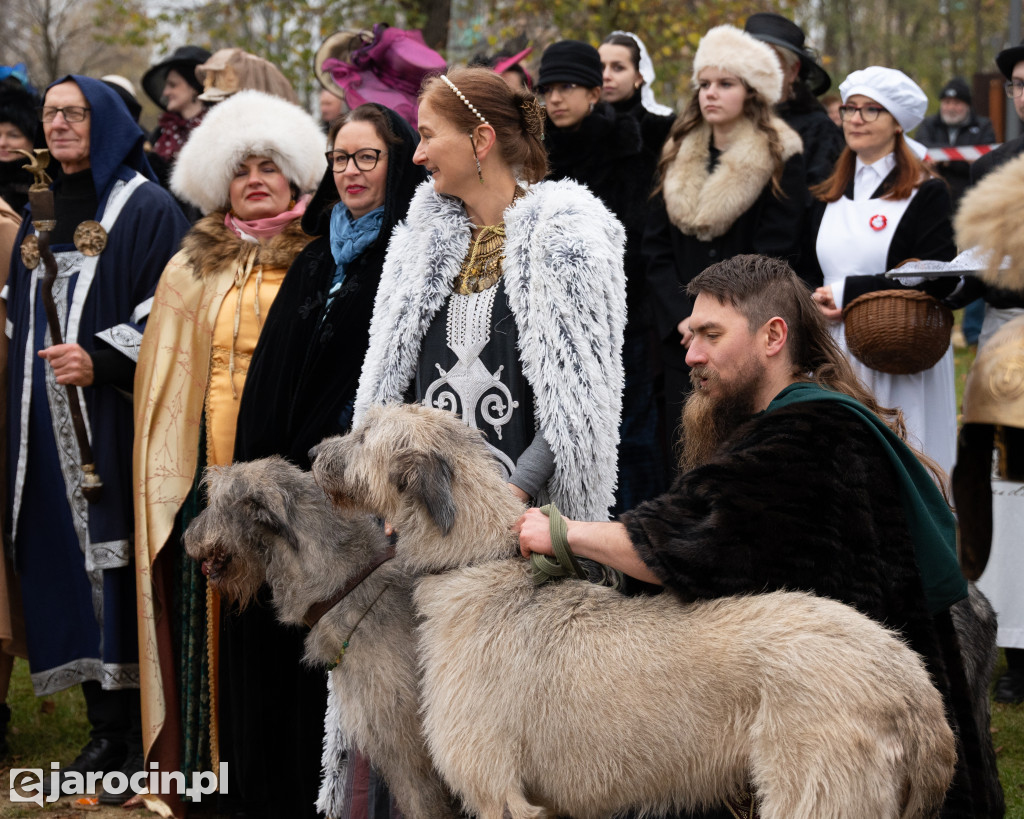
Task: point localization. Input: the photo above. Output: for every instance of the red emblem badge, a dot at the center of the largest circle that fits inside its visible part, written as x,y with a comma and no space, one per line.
878,222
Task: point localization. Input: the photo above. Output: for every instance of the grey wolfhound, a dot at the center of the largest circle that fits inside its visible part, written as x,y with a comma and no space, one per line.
571,699
268,521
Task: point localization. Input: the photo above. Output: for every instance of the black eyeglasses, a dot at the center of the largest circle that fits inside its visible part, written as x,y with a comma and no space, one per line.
868,113
72,113
366,159
562,88
1014,89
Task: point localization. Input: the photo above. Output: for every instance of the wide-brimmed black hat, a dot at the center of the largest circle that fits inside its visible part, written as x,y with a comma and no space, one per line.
1009,57
777,30
184,60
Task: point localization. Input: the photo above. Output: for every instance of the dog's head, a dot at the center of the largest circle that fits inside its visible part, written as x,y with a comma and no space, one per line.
268,521
426,473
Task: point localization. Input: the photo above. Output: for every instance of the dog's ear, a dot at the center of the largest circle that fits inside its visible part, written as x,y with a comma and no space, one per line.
267,508
427,476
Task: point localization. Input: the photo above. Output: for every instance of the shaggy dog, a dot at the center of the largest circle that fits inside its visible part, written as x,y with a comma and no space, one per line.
268,521
571,699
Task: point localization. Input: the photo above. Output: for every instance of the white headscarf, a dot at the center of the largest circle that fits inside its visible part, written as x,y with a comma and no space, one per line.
647,72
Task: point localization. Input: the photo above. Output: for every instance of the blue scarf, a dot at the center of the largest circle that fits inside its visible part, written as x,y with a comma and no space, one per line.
349,238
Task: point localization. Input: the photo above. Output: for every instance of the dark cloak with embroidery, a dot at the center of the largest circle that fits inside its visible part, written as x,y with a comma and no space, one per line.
75,559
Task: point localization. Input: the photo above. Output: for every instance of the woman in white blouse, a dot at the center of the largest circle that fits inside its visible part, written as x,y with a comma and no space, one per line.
883,206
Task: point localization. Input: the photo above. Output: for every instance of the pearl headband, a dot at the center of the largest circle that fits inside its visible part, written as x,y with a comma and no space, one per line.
462,97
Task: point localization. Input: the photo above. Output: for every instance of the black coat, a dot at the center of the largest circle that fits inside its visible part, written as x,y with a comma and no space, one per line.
804,498
771,226
300,387
302,381
823,139
608,155
933,133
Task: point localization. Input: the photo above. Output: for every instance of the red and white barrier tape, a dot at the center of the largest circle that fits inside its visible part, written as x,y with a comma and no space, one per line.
963,153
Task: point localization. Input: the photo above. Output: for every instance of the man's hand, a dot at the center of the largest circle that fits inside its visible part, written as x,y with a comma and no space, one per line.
534,530
71,364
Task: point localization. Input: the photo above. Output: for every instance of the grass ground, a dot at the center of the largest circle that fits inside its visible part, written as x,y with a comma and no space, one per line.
55,729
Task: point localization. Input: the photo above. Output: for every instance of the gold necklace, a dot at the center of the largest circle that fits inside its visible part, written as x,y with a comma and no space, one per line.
482,266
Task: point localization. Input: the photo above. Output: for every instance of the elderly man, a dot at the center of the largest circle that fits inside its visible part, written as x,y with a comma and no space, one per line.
795,480
115,230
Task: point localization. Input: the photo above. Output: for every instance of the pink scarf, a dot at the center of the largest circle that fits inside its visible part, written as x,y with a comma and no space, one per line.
257,229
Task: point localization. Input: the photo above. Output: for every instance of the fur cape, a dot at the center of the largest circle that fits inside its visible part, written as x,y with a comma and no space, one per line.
706,205
564,278
989,217
170,389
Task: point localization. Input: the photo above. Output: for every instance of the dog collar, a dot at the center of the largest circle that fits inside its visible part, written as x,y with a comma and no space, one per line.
315,612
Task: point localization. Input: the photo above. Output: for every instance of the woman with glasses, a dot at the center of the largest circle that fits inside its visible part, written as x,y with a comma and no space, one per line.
592,143
882,205
250,167
730,181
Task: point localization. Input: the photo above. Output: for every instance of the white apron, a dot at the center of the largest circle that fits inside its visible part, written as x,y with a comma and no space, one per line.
1001,580
848,245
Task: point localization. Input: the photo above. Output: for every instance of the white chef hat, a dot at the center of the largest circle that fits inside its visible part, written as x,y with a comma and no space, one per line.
890,88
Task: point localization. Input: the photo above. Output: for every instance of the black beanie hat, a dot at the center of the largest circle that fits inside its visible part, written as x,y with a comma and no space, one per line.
19,106
957,89
571,61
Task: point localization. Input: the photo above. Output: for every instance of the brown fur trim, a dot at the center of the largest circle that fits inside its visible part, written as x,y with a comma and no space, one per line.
211,245
707,205
989,217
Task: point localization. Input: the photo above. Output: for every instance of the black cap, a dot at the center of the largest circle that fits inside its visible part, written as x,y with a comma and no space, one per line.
184,60
571,61
129,101
1008,58
956,89
777,30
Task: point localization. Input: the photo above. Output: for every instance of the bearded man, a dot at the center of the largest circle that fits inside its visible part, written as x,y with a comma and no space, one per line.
794,478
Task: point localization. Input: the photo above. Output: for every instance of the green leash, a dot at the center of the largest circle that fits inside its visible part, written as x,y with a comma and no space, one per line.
564,563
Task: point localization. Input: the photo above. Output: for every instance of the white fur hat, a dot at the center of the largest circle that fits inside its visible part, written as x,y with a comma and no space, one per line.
250,123
731,49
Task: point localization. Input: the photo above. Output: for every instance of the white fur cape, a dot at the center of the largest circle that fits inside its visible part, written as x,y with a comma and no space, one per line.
707,205
566,287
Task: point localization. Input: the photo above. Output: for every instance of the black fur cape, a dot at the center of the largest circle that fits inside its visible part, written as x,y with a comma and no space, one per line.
804,498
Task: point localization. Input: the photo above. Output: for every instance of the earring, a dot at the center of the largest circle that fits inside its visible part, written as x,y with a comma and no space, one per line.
479,170
591,108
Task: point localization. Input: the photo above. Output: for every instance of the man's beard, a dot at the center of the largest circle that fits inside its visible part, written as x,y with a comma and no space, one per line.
708,421
953,121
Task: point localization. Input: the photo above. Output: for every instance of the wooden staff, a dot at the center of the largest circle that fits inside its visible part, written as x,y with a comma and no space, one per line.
44,220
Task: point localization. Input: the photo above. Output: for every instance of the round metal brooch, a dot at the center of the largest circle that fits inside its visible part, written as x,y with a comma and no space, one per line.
30,252
90,238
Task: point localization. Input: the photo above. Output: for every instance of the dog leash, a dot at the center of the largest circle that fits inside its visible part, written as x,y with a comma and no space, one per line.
564,563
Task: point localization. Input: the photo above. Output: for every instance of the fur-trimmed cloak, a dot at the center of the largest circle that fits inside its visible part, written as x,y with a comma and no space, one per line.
170,391
564,278
803,498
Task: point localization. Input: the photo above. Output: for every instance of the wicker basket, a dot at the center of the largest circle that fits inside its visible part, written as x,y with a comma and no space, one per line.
897,331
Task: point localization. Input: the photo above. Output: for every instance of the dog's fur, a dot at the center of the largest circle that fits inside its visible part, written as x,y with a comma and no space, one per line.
572,699
268,521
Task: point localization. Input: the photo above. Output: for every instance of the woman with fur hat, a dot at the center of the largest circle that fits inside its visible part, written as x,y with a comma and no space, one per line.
730,181
592,143
250,166
881,206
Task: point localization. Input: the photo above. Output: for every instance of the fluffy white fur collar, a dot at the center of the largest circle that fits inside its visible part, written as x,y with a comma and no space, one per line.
566,288
707,205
